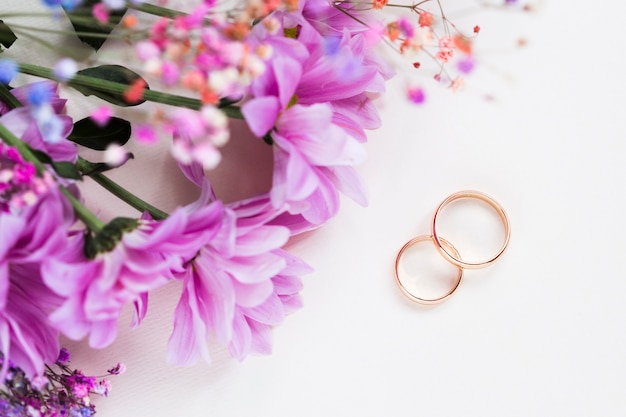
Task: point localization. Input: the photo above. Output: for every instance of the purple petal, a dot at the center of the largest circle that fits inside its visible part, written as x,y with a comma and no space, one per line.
4,284
291,303
324,203
261,338
285,284
10,230
288,72
255,269
67,279
293,179
103,333
141,308
299,119
217,294
188,342
270,312
261,240
261,114
69,319
348,182
240,344
252,295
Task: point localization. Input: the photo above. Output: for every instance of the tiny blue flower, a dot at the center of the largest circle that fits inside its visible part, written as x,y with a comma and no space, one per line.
8,70
39,94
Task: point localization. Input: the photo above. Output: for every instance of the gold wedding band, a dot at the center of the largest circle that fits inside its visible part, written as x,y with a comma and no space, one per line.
409,294
453,256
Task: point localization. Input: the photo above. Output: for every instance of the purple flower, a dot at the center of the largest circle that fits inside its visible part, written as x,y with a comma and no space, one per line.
64,356
313,101
33,230
41,126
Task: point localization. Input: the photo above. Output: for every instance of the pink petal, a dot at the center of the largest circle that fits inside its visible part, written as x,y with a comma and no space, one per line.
103,333
261,240
188,342
216,293
293,179
255,269
261,338
252,295
300,118
69,319
270,312
288,72
323,203
261,114
67,279
240,344
348,182
10,230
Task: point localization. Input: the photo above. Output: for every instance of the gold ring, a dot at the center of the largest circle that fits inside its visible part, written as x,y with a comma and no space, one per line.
408,293
454,257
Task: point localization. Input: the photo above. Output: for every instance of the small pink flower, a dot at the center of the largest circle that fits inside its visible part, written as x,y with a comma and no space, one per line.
145,134
101,13
425,19
101,115
416,95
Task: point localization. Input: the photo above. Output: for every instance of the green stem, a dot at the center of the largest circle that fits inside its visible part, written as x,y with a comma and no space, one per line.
10,139
86,216
156,10
122,193
119,88
8,98
65,32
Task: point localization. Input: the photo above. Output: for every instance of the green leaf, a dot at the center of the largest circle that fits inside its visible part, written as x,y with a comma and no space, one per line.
113,73
90,135
92,168
67,170
63,169
42,156
7,37
88,28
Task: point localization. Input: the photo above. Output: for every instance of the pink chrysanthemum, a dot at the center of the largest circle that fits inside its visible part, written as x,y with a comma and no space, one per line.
238,285
34,220
96,290
28,122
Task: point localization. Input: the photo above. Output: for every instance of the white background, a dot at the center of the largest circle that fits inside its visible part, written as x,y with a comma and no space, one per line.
539,333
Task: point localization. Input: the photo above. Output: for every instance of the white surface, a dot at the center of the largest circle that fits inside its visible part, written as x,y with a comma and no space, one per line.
540,333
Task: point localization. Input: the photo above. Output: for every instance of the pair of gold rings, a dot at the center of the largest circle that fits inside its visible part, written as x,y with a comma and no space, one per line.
448,251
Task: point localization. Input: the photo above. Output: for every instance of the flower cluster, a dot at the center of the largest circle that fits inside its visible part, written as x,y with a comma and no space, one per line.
301,74
59,391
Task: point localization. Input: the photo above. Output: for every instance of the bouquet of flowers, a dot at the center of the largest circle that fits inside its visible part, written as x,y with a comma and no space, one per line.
301,74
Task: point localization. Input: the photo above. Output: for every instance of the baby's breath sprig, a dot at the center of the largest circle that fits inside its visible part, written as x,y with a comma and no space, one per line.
60,391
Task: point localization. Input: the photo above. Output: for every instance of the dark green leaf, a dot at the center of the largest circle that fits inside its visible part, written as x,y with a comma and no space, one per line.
88,28
7,37
90,135
114,73
63,169
67,170
228,101
105,240
42,156
91,168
